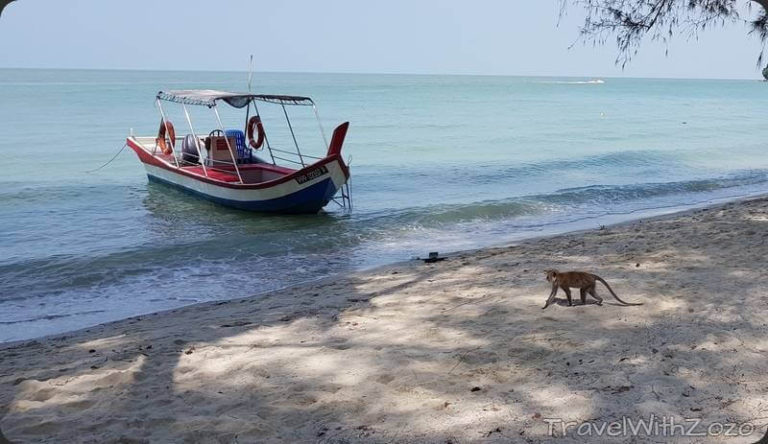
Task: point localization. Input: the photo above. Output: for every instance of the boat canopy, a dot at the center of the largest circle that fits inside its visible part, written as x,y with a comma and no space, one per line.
208,97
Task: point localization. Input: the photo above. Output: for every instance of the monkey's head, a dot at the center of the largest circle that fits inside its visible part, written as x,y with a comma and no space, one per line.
551,275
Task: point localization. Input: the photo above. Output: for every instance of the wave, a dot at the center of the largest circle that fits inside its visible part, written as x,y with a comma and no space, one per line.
51,317
250,258
607,197
573,82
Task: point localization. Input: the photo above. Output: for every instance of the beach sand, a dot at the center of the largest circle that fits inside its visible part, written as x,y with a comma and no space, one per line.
457,351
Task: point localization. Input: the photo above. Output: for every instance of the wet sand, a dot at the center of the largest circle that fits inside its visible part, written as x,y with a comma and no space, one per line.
457,351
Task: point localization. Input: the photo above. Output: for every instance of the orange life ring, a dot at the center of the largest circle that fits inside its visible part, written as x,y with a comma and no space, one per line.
255,121
161,142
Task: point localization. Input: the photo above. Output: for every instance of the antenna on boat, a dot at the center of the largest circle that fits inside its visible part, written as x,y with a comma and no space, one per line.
250,72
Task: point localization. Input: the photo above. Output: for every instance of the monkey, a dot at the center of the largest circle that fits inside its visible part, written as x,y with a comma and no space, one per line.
585,282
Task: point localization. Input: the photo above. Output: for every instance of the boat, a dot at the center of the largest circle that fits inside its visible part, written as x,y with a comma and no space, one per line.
243,168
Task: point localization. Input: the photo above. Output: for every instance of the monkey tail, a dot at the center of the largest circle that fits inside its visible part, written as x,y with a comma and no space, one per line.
614,294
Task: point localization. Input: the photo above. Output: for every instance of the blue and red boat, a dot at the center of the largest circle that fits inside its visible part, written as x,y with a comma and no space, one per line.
229,166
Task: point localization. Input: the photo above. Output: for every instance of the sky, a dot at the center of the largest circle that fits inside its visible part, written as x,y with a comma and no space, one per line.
487,37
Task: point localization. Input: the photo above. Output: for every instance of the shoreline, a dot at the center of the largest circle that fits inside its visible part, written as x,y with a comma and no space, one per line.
459,350
572,227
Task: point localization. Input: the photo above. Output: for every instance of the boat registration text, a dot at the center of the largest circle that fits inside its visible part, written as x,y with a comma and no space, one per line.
312,174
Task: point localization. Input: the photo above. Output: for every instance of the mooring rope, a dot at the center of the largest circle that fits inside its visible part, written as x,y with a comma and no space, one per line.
110,160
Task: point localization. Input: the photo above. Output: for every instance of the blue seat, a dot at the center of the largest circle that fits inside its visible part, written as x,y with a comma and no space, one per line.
243,152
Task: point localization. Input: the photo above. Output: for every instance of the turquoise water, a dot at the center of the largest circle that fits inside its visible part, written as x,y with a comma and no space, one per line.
438,162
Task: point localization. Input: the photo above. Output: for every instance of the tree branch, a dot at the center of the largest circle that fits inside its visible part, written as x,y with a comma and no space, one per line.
763,3
630,22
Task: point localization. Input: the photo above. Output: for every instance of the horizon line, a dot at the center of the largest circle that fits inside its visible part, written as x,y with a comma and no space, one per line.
426,74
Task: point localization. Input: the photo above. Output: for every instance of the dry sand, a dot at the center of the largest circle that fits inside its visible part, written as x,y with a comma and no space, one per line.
458,351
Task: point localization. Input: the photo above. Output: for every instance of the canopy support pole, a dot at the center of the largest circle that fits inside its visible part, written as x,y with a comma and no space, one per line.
247,116
226,139
266,139
197,141
320,125
165,124
290,127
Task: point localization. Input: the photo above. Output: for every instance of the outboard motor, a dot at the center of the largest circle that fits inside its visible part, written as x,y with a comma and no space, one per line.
189,149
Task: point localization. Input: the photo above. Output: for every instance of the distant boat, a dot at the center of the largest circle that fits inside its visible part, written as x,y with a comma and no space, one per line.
223,166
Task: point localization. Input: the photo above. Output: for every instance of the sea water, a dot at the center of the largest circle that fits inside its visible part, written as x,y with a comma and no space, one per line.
439,163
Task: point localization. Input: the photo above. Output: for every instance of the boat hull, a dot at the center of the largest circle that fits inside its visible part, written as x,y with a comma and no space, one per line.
307,201
304,191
